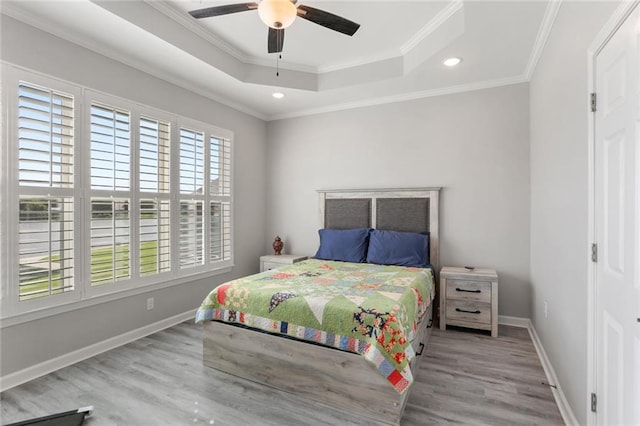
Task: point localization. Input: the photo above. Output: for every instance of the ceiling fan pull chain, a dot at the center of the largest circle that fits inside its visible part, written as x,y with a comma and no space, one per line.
279,35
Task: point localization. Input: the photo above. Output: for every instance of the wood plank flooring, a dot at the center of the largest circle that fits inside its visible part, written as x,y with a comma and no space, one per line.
466,378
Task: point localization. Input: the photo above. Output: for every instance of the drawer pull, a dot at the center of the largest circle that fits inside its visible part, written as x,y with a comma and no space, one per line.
468,291
421,349
468,312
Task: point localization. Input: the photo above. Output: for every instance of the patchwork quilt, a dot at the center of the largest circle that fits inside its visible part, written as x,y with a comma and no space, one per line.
372,310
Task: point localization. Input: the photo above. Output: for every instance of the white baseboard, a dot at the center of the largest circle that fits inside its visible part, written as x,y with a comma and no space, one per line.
19,377
514,321
561,401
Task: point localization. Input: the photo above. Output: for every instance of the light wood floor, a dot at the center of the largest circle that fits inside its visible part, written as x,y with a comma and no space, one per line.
466,378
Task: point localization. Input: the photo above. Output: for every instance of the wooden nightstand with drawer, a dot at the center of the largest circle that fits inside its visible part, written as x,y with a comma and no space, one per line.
273,261
469,298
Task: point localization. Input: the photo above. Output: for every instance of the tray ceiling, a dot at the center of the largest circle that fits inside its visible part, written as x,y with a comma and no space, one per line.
397,53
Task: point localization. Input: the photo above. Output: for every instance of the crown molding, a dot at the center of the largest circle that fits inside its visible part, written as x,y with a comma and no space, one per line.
403,97
432,25
414,41
624,9
187,22
550,15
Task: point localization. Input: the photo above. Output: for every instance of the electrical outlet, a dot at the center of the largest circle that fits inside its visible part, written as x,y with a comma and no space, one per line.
150,304
546,309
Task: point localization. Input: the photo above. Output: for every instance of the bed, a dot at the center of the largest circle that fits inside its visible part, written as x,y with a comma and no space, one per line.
345,334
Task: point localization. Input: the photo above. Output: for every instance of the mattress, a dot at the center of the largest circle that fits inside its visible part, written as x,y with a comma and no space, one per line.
372,310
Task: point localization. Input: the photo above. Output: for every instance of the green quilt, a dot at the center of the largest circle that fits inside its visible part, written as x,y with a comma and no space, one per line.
373,310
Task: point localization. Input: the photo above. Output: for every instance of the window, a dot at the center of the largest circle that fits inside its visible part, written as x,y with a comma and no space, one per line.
205,198
192,193
150,203
220,203
155,188
45,144
110,224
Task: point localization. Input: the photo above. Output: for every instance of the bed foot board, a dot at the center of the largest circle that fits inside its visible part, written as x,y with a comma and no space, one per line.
341,380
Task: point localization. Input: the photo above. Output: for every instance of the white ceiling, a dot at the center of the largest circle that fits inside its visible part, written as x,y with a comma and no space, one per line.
396,54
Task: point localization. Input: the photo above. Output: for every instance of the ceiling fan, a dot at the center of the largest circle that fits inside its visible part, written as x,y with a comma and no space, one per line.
278,15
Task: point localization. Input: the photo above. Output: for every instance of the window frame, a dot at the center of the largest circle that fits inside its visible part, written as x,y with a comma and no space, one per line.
84,294
11,303
209,130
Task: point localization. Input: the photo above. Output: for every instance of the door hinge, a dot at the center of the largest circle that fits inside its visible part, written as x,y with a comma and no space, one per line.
593,102
594,402
594,252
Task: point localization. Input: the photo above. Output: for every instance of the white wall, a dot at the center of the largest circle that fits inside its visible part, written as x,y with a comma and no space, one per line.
31,343
475,145
559,246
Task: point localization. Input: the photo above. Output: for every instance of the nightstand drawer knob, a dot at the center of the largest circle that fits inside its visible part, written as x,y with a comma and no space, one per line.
468,312
468,291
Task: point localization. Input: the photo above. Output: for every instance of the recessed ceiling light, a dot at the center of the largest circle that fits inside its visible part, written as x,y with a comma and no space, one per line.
278,95
452,62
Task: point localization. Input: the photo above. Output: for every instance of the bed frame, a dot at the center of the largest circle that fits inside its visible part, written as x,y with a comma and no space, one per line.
342,380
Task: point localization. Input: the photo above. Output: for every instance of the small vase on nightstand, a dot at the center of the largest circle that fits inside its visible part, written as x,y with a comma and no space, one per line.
277,245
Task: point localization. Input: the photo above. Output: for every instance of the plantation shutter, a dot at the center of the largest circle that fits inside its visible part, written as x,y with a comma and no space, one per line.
110,148
46,191
144,199
192,191
191,162
155,206
110,237
154,152
45,123
220,196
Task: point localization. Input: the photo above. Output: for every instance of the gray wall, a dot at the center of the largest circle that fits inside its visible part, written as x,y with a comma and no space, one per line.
30,343
559,246
475,145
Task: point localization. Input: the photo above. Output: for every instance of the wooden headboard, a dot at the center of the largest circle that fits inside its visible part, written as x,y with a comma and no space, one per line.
405,210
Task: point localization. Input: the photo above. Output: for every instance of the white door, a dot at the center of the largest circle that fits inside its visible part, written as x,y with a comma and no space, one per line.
617,211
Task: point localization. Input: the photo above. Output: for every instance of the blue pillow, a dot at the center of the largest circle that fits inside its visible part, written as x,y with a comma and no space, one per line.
347,245
398,248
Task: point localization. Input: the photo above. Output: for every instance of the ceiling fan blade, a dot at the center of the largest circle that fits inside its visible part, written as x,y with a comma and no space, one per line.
275,40
328,20
223,10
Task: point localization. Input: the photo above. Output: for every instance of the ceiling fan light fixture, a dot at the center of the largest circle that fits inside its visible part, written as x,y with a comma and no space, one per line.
277,13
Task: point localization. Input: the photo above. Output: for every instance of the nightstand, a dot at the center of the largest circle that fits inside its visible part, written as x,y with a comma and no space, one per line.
273,261
469,298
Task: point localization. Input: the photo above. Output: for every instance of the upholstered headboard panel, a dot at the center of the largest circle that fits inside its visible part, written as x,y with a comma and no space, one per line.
403,214
347,213
405,210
